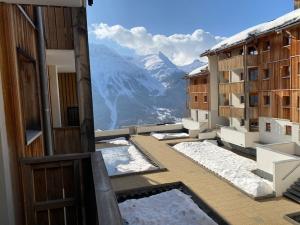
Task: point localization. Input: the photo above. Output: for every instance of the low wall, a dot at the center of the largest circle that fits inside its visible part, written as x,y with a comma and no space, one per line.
207,135
285,174
158,128
267,155
111,133
239,138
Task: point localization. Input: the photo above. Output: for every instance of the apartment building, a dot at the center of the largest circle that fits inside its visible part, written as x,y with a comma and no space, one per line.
46,132
258,82
201,101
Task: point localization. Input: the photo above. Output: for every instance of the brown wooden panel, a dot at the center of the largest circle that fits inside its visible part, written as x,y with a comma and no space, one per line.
67,140
68,94
58,27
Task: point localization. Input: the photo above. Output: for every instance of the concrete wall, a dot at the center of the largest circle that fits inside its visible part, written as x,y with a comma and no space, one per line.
207,135
285,174
239,138
214,93
199,115
266,155
277,134
54,92
158,128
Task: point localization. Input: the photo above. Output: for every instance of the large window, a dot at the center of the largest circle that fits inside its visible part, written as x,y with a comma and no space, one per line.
286,101
253,100
29,96
266,100
253,74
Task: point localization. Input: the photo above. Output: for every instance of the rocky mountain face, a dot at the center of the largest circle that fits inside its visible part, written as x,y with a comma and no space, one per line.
136,90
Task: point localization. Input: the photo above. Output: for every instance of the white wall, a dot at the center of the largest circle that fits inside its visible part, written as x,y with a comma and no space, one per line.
236,123
158,128
285,174
277,134
268,154
239,138
54,96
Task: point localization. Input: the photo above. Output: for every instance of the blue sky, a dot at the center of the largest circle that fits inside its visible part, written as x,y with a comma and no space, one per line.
220,17
148,26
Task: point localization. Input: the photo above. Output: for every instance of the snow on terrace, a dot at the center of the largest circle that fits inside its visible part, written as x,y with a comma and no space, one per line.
167,208
166,136
124,159
232,167
283,21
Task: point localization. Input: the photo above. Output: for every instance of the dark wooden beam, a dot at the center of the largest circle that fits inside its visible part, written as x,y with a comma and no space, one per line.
107,206
83,75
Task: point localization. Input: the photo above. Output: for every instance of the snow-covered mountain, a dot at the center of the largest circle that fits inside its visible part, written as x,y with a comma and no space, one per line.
190,67
135,90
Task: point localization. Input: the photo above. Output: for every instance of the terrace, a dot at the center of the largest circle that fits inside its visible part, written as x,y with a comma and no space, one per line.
228,202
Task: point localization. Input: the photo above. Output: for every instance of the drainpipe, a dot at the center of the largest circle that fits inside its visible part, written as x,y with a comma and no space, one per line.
47,128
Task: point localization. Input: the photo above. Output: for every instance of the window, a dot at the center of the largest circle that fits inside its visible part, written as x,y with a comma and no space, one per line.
286,101
204,81
266,46
242,76
196,98
298,68
285,71
298,102
195,82
253,74
242,99
206,116
252,51
205,98
253,100
268,127
266,73
286,40
298,35
253,124
288,130
242,122
29,96
267,100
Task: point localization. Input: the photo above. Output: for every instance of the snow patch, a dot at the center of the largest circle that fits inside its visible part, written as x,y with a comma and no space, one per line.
232,167
167,208
124,159
198,70
163,136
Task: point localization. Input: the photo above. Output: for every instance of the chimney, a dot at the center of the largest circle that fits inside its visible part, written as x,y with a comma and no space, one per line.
296,4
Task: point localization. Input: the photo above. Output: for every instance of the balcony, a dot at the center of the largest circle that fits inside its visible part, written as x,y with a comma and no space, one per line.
230,111
253,112
253,86
227,88
239,138
198,88
237,62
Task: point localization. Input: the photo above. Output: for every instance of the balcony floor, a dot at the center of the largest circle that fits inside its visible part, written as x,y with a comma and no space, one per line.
230,203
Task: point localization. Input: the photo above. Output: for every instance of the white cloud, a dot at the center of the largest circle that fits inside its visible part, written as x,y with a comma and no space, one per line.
181,49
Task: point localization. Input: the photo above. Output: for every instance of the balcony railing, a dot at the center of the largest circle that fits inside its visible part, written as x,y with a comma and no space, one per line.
237,62
253,112
230,111
198,88
236,88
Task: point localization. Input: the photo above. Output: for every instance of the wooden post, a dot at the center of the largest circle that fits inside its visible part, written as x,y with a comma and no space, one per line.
83,75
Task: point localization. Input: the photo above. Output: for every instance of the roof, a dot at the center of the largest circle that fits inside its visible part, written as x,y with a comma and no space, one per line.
258,30
198,71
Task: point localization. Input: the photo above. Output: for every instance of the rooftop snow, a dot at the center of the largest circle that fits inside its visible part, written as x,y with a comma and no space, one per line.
281,22
198,70
169,208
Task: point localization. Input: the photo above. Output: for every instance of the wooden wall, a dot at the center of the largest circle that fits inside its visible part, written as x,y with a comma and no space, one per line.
68,94
58,27
67,140
277,60
198,87
17,32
